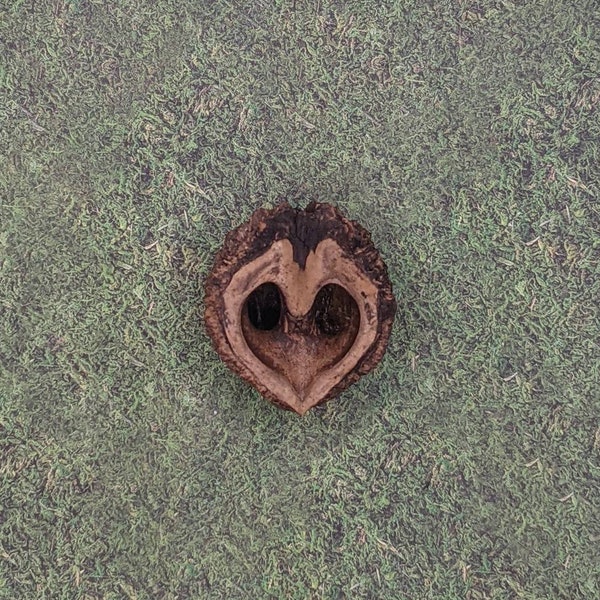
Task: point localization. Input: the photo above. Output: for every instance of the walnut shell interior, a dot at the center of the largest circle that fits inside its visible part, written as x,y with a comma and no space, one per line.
299,304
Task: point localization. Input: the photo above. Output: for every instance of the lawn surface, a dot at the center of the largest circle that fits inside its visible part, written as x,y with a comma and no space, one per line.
465,135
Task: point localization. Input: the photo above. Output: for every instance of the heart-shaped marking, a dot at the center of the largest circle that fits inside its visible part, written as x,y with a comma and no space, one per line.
300,369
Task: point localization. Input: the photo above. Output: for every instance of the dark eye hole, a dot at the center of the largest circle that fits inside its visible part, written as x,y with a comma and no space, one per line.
335,310
264,307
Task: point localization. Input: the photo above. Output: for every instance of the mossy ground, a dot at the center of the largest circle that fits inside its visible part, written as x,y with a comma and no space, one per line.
464,135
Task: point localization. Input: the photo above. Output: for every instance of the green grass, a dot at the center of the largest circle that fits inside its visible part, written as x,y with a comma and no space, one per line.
465,135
